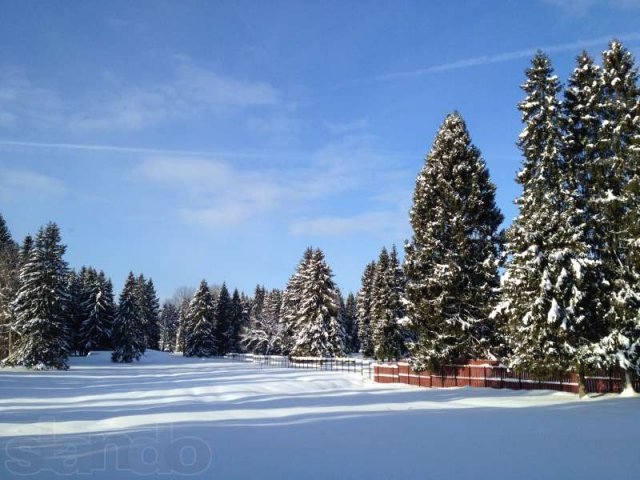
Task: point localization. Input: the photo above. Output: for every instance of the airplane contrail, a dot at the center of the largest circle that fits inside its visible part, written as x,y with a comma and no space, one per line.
499,58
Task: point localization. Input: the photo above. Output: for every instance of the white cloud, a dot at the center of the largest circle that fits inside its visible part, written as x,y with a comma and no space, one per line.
187,172
23,103
342,128
280,128
193,91
16,184
217,193
190,92
221,216
372,223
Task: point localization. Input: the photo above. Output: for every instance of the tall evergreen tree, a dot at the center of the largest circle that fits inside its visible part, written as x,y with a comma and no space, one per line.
617,182
153,308
387,308
128,334
256,310
15,326
223,321
236,321
350,324
181,298
265,333
149,309
200,332
581,125
169,319
317,330
364,305
76,309
9,274
543,288
451,263
183,325
96,329
291,298
40,304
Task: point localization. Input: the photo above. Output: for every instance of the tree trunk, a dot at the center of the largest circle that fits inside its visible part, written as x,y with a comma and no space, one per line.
627,381
582,382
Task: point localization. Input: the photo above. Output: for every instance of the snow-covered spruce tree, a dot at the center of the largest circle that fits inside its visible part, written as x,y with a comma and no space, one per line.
387,308
9,274
183,324
364,303
181,299
581,125
543,291
81,292
255,307
350,324
40,320
169,317
149,308
140,295
75,310
15,326
265,333
317,331
236,322
616,182
128,335
247,303
342,310
6,240
200,331
95,331
451,263
153,309
291,298
223,321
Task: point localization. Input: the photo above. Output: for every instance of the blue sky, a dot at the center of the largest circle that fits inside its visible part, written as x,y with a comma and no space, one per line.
217,140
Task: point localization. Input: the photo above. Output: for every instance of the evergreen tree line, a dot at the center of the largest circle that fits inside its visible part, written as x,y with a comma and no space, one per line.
309,318
569,297
380,311
206,323
49,311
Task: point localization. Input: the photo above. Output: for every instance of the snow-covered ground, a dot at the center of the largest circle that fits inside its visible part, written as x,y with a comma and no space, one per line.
214,419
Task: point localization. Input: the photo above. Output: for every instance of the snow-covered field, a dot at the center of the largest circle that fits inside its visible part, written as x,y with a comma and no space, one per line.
214,419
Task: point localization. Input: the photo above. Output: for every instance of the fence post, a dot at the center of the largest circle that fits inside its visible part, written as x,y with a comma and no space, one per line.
484,372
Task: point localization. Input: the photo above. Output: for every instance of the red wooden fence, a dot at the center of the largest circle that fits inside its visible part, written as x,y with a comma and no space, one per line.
489,375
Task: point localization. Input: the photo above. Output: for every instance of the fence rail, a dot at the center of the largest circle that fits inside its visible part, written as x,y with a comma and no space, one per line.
478,373
336,364
496,376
